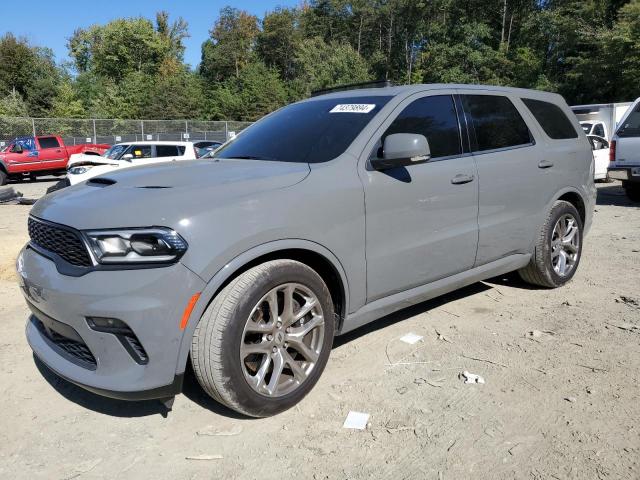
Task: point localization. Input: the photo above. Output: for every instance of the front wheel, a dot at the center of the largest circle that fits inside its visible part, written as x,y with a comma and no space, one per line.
264,341
3,177
558,248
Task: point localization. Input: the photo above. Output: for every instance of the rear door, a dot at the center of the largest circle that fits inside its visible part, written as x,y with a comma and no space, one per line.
421,220
628,140
516,178
52,155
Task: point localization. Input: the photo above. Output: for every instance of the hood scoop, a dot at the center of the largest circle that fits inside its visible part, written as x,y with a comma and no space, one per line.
153,187
100,182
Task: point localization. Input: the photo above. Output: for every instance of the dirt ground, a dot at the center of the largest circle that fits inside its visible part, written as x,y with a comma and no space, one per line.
563,402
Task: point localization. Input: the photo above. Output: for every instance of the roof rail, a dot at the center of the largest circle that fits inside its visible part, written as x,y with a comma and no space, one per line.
353,86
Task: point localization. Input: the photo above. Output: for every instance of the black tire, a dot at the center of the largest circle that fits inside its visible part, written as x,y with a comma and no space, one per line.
215,348
633,191
540,269
59,185
3,177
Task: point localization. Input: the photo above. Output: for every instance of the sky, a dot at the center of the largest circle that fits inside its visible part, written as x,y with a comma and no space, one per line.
49,23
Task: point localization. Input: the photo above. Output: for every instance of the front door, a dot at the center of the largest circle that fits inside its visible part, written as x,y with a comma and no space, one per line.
421,220
52,155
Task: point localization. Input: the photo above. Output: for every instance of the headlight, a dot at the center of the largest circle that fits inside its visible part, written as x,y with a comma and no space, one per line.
78,170
136,246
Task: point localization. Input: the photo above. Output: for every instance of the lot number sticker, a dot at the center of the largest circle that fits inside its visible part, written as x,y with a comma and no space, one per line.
353,108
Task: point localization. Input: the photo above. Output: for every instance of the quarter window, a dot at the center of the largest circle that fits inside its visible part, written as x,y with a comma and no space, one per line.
434,117
48,142
553,120
496,122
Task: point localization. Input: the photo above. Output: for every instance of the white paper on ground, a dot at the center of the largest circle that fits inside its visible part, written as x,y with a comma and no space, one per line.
356,420
411,338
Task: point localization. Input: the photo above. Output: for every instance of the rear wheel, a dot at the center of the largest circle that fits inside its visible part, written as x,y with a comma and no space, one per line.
558,248
3,177
633,191
265,339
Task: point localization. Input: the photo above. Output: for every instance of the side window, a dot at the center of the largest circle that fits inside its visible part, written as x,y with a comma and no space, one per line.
631,125
435,118
599,130
140,151
48,142
553,120
181,149
166,151
496,121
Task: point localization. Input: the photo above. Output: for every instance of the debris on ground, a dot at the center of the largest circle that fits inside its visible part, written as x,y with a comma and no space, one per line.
204,457
442,337
411,338
217,432
356,420
629,327
571,399
632,302
402,390
8,196
471,377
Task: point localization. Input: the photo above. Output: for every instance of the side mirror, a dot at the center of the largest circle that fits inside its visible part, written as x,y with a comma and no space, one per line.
128,157
402,149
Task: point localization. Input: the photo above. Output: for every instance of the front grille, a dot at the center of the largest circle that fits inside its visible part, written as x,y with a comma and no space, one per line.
64,242
75,351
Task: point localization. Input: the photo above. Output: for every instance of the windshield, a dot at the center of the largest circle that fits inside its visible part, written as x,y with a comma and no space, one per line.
115,152
311,132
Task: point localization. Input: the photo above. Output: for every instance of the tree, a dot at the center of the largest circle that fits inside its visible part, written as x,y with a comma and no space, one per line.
278,42
12,105
172,34
230,46
320,65
66,103
256,91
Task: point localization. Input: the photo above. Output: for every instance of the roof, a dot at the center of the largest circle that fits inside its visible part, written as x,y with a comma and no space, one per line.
409,89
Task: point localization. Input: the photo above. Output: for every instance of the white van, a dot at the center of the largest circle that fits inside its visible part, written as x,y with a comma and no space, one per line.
624,152
123,155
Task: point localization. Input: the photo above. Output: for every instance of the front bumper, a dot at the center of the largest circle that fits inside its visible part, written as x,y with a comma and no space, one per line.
149,301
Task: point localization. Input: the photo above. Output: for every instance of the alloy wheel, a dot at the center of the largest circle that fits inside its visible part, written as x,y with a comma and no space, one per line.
282,340
565,245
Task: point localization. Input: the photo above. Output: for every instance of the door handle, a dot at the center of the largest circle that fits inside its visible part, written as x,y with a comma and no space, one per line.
461,179
545,164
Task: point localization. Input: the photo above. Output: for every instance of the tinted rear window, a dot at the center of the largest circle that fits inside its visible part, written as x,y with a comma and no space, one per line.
167,151
631,125
496,121
313,131
552,119
434,117
48,142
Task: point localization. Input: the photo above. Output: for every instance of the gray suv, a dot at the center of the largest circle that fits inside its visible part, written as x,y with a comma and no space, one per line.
319,218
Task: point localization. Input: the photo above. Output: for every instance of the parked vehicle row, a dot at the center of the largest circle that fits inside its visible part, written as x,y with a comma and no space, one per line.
625,152
43,155
248,263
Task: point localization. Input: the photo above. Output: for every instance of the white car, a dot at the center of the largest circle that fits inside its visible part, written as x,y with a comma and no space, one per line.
625,152
600,148
123,155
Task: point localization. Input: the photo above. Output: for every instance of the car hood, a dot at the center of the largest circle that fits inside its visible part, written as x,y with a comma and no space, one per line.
78,159
165,194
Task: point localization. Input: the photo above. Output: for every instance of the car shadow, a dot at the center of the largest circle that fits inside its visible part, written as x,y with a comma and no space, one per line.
614,195
194,392
131,409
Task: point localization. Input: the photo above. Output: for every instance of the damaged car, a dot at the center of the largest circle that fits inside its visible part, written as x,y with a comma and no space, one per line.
124,155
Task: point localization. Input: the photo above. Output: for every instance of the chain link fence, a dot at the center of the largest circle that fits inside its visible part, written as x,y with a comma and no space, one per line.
75,131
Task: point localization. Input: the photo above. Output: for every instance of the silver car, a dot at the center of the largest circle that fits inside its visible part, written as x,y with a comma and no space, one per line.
323,216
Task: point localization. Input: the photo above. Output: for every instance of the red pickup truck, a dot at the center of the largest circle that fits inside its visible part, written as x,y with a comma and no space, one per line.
42,155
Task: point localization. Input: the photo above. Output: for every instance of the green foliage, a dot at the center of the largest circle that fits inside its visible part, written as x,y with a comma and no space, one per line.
587,50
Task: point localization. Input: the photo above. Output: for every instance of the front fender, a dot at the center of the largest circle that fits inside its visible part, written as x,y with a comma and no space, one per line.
230,269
